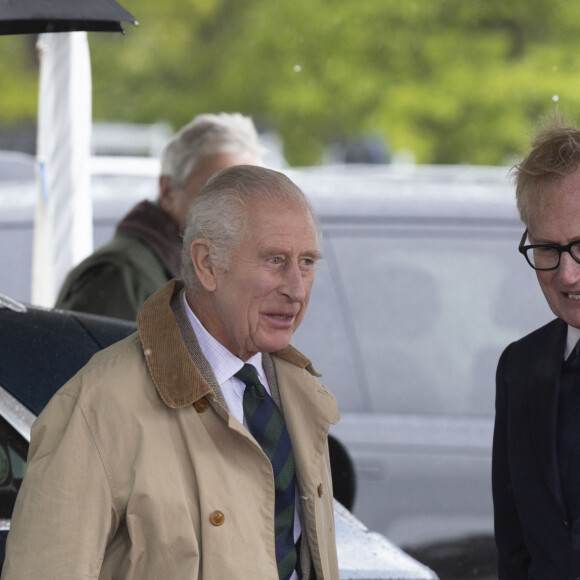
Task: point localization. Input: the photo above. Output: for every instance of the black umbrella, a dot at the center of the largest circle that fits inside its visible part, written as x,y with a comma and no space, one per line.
38,16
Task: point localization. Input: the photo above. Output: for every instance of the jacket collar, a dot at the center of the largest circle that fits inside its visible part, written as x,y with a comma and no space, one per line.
150,223
176,377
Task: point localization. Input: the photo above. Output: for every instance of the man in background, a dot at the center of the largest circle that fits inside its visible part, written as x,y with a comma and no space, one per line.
145,251
536,448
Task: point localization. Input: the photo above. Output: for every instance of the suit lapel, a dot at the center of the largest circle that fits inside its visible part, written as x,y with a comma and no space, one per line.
543,383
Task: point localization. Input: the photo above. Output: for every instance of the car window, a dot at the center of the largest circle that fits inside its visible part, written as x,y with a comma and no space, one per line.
414,322
13,451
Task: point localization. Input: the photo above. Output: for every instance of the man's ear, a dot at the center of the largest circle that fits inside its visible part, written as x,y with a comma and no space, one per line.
206,273
166,192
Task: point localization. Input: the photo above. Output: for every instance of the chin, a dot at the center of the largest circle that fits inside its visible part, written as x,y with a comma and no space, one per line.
274,345
572,320
570,316
272,340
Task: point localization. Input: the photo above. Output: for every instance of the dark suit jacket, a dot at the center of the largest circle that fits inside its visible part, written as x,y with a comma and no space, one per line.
533,536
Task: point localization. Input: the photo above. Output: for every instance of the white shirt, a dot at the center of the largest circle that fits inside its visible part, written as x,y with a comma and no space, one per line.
571,339
225,365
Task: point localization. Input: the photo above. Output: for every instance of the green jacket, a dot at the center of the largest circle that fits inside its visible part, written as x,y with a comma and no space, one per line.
144,254
115,280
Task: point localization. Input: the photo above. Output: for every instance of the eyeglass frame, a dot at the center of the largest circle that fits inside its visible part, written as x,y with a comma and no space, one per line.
567,248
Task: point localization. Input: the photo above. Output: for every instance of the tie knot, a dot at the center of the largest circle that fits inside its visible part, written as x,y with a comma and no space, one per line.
248,375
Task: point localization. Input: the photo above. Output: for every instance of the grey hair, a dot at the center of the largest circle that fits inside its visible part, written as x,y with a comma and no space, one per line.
219,213
208,134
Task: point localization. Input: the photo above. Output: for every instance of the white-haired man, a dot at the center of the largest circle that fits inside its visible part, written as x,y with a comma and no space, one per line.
145,251
197,447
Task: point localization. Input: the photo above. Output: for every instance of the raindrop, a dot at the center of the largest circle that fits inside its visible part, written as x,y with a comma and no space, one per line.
554,68
555,98
147,352
297,68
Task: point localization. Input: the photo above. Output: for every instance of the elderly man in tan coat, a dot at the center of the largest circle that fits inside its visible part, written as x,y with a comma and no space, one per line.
197,447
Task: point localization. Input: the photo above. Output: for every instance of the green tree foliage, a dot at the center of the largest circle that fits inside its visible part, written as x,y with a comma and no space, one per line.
452,81
18,79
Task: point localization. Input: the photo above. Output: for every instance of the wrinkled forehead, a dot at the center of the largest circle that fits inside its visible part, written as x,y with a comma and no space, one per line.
277,213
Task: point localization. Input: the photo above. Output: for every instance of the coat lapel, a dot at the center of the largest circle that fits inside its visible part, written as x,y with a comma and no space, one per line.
542,384
309,410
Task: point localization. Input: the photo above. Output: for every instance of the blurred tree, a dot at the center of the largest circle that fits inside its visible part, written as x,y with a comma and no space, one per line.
18,79
451,81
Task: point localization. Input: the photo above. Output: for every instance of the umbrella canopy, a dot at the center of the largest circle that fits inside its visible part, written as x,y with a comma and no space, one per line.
38,16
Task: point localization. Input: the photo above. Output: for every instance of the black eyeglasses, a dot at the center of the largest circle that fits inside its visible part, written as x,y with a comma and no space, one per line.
547,256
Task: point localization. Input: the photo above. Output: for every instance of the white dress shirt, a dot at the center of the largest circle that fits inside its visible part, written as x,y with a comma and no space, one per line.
572,338
225,365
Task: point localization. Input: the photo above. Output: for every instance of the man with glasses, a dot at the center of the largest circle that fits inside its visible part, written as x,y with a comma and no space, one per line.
536,448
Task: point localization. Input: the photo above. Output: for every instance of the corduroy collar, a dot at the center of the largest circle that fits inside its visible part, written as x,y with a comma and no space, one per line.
175,375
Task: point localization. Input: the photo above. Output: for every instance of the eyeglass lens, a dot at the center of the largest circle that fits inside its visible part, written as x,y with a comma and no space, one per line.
549,257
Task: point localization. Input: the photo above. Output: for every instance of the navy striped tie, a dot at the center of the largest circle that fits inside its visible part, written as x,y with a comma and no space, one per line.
266,424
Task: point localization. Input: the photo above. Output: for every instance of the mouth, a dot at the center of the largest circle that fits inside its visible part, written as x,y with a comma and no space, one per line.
282,319
285,317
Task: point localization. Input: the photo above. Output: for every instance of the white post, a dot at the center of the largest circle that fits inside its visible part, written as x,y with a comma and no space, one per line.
63,227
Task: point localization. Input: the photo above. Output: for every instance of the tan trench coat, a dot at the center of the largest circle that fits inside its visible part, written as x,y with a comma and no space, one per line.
135,472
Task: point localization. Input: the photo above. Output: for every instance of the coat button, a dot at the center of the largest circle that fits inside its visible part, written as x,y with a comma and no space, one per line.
217,518
201,405
320,490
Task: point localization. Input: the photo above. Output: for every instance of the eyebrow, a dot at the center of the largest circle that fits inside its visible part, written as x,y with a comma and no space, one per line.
574,240
312,254
544,241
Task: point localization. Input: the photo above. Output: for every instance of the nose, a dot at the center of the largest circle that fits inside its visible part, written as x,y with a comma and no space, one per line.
569,270
294,285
